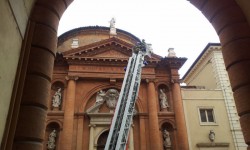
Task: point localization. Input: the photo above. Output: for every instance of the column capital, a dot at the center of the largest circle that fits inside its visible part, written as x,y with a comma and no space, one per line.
151,80
92,125
176,80
71,78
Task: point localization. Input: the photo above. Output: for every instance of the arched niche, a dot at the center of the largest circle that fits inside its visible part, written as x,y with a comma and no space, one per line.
164,97
168,136
57,96
53,130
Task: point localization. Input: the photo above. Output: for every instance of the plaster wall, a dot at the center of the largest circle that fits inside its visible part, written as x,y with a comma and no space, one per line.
197,132
203,76
14,18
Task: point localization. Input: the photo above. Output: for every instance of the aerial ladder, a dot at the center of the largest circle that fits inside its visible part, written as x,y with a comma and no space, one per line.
121,122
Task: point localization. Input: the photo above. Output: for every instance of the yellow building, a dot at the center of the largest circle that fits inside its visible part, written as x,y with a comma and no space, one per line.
209,103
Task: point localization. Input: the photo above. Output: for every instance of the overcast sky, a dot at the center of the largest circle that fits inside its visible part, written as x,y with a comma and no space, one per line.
163,23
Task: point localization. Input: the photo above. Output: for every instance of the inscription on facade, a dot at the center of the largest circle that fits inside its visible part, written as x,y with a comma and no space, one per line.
104,69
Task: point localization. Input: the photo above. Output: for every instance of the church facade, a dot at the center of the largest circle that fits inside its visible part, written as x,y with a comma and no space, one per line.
86,82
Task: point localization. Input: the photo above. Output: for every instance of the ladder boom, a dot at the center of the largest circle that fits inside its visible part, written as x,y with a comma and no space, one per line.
121,122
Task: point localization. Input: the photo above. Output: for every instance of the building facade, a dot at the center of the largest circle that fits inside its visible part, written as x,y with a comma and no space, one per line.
87,78
208,97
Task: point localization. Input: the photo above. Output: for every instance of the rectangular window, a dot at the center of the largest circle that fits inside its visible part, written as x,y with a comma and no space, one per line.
206,115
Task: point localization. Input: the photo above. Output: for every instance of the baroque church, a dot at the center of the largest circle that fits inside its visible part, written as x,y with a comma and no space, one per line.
87,78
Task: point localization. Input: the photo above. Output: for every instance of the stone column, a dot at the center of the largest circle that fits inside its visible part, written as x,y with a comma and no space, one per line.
25,126
67,132
182,138
154,130
91,136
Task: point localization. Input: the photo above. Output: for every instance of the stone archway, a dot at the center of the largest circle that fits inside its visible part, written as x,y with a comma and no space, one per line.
232,27
39,46
29,111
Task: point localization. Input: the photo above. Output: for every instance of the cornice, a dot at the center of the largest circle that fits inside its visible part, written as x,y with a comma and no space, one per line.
97,61
105,61
81,30
210,47
174,62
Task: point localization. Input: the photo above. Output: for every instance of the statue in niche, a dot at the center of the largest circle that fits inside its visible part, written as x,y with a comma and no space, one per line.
56,101
166,140
52,140
112,97
163,100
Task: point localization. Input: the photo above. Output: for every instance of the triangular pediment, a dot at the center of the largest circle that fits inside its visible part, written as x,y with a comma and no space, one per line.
112,48
111,54
108,49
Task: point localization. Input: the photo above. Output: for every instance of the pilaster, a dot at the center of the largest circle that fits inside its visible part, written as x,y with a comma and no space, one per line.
79,139
153,117
67,134
142,133
91,136
182,138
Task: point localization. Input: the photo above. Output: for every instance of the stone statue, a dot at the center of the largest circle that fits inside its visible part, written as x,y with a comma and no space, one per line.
211,136
56,101
100,97
171,52
166,140
112,23
52,140
163,100
112,27
112,97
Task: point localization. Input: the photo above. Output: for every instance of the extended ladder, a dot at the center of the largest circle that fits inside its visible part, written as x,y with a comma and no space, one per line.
119,130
